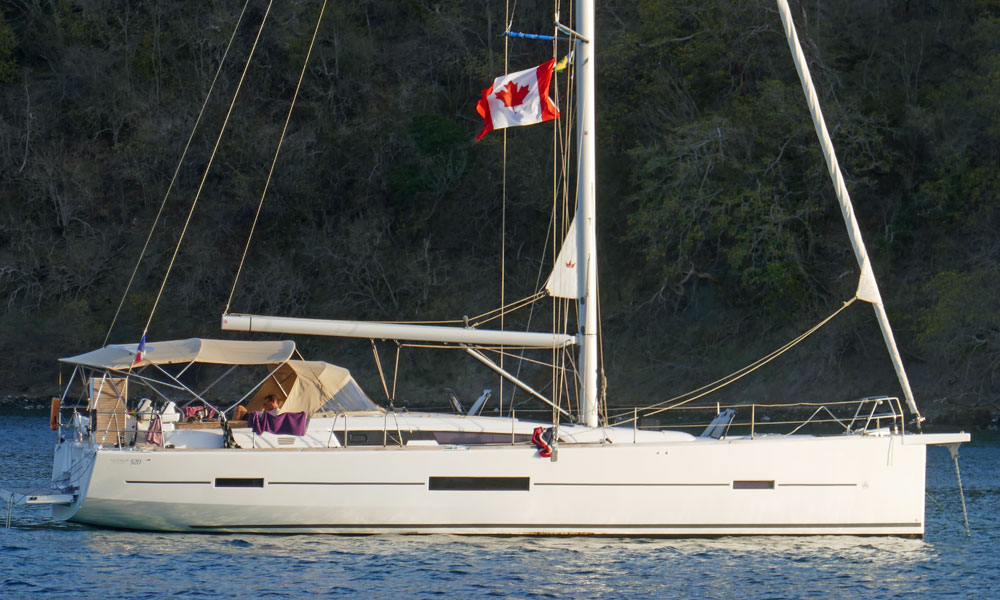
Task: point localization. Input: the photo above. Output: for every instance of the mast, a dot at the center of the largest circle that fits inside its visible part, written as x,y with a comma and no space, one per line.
586,190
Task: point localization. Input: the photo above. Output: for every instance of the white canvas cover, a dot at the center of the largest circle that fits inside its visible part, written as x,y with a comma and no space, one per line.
867,288
313,387
224,352
395,331
564,281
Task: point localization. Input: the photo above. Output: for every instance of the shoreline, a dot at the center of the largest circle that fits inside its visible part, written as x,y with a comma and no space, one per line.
25,404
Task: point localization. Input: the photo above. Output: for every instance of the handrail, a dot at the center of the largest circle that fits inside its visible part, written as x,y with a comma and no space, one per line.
870,413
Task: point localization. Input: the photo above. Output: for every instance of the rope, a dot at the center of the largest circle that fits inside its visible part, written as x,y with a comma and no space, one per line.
395,376
499,312
508,20
602,394
277,151
480,319
208,167
568,385
550,231
740,373
381,373
522,358
173,179
228,441
553,232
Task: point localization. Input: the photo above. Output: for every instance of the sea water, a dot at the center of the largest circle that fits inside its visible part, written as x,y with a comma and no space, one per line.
43,559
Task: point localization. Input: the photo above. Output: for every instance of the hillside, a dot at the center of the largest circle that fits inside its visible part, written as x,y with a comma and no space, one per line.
720,236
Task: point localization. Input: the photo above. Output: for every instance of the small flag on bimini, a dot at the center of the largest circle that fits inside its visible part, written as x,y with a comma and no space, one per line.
139,350
520,98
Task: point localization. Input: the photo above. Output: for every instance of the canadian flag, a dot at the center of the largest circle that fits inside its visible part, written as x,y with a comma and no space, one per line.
520,98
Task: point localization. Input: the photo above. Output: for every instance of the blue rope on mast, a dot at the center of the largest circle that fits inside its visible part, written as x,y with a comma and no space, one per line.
534,36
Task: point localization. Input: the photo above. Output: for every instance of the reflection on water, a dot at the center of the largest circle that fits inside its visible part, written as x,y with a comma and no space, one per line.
41,558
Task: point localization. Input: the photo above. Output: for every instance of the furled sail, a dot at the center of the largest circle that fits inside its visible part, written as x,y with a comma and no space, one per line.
564,281
867,286
394,331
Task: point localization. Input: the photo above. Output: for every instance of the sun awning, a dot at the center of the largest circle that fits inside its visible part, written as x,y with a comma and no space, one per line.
313,387
223,352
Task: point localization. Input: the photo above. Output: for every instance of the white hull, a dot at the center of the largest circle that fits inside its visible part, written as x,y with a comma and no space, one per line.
791,485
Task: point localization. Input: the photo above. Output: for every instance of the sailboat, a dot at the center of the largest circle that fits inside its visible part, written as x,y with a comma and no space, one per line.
148,451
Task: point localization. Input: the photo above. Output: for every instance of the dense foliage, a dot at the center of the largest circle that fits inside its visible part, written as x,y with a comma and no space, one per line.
720,236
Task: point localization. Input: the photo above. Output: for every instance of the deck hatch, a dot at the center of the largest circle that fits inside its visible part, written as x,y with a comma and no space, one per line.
753,485
239,482
514,484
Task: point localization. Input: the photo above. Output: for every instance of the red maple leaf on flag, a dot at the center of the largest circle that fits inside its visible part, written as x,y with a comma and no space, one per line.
512,95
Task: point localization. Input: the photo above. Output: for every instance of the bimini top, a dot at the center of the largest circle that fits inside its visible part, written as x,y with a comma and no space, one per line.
222,352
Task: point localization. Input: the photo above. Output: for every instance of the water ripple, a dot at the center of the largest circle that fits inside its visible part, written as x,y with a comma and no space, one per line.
41,559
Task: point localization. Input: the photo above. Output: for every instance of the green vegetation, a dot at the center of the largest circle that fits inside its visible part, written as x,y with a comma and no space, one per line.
721,239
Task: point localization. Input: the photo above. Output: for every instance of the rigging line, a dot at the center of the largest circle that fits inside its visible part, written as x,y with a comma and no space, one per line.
177,170
573,391
565,306
208,167
453,346
486,361
740,373
395,374
277,151
508,21
513,306
550,230
381,373
558,374
449,322
506,310
602,395
522,358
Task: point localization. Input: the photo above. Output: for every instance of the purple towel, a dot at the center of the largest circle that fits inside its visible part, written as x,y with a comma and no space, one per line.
290,423
154,435
204,412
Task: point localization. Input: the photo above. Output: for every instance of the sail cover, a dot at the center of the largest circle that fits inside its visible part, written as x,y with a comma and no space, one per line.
225,352
564,281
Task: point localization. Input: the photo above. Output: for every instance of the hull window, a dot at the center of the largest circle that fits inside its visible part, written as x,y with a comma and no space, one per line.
517,484
239,482
753,485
